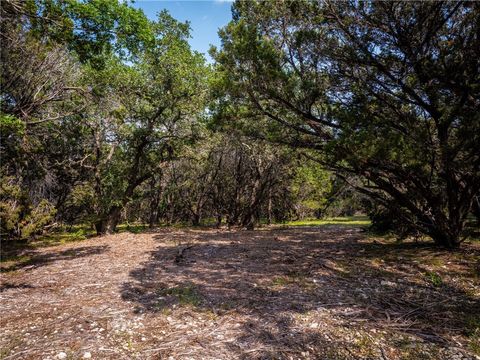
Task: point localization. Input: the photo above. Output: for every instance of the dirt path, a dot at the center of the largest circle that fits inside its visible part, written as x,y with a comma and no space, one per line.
302,293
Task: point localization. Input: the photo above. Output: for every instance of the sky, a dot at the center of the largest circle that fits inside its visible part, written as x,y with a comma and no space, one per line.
205,17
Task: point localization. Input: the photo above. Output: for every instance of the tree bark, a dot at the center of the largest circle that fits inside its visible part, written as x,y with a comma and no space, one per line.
269,208
445,239
108,224
195,218
218,222
154,203
476,208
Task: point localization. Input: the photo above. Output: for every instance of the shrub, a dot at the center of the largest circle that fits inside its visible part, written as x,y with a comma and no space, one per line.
19,218
389,220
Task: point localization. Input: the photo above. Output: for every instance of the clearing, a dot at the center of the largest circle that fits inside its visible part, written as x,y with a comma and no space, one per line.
309,292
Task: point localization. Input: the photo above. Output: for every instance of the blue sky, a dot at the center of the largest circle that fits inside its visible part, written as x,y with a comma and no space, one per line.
205,17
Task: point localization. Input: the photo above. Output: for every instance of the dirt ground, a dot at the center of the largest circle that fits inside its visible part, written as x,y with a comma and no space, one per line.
285,293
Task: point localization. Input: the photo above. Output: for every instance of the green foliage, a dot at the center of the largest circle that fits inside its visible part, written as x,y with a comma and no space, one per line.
92,29
38,217
106,98
186,295
389,220
310,187
10,206
11,126
368,85
19,218
434,278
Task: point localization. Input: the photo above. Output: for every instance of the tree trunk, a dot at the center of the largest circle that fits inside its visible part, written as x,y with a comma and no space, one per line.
476,208
219,221
153,219
250,225
249,220
448,237
108,224
101,227
446,240
154,202
195,218
269,208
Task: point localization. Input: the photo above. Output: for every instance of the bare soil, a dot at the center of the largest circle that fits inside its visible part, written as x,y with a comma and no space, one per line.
280,293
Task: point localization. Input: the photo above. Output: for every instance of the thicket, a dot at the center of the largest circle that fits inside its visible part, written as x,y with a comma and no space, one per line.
310,109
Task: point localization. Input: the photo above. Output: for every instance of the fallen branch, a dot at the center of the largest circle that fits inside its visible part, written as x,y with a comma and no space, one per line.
180,253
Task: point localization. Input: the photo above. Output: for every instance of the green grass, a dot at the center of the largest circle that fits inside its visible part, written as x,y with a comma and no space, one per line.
133,228
434,278
67,234
63,236
342,221
186,295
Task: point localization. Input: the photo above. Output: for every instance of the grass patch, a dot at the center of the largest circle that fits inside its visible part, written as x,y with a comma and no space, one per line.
472,331
434,261
281,281
15,259
132,228
365,346
472,326
434,278
342,221
64,236
293,277
15,254
186,295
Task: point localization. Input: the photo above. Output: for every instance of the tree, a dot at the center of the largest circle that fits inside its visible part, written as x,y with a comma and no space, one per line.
94,98
151,110
387,91
310,188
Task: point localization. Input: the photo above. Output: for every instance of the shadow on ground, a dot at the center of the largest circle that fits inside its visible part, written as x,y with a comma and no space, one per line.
331,277
34,259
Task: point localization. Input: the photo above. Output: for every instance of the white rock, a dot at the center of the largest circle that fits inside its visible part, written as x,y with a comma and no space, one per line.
387,283
61,355
87,355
